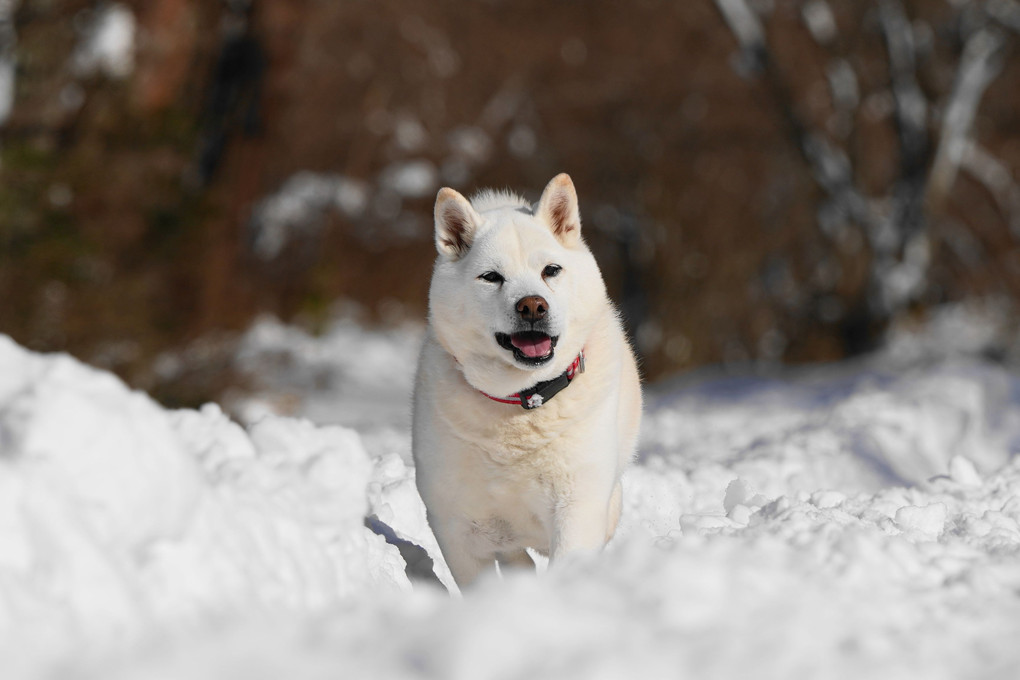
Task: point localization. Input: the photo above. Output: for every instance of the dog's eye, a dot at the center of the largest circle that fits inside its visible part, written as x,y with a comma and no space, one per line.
492,277
551,271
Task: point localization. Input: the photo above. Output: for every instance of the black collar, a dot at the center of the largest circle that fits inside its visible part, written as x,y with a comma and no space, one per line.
544,391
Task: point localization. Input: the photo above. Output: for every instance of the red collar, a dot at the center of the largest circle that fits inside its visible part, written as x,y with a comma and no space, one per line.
545,390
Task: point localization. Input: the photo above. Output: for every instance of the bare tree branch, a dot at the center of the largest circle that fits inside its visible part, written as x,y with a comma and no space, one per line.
744,23
895,224
979,66
1005,12
900,248
819,20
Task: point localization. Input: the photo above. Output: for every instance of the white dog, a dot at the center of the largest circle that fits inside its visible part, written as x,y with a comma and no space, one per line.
527,400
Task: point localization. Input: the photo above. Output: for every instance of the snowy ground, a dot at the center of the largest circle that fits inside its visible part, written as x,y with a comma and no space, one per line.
861,520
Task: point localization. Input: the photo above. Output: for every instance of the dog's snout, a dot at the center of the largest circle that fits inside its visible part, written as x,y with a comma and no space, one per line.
532,308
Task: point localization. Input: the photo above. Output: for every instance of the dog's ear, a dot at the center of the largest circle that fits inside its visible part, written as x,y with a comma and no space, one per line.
558,209
456,223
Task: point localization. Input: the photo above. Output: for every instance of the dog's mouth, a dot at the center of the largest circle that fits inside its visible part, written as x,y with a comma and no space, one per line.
529,347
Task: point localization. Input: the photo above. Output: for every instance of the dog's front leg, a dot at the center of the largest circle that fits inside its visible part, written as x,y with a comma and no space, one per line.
455,544
581,521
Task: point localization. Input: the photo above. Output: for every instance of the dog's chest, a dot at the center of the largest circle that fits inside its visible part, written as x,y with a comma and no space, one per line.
509,507
518,437
518,469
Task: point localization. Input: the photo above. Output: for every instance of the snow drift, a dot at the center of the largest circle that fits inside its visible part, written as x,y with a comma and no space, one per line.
117,516
854,522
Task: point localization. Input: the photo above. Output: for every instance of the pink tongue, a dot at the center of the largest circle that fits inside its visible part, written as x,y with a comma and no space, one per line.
532,346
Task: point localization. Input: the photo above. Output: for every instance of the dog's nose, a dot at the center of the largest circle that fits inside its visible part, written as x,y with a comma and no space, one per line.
532,308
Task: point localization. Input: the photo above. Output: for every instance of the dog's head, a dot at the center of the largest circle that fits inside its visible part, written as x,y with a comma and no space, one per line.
515,290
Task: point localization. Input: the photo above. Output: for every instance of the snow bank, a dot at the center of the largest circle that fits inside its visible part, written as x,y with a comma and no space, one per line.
858,521
118,519
348,375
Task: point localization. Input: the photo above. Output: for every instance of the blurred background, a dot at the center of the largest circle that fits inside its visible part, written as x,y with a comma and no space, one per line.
762,181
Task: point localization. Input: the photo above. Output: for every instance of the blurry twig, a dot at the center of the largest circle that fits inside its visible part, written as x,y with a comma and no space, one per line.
1005,12
978,67
744,23
900,269
235,89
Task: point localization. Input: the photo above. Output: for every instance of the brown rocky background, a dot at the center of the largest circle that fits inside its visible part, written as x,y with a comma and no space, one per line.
772,191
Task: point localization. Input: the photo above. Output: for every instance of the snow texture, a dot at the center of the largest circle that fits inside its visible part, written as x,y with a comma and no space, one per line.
860,520
121,521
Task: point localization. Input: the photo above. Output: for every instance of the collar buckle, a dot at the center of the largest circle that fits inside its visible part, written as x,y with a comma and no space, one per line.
541,393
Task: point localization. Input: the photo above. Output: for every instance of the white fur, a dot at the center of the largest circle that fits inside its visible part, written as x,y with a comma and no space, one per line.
495,478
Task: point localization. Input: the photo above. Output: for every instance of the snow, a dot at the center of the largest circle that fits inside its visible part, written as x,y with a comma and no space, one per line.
472,143
410,179
119,517
854,520
108,43
347,375
297,209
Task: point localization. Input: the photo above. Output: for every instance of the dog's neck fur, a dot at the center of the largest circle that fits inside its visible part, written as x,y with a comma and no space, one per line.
544,390
507,380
